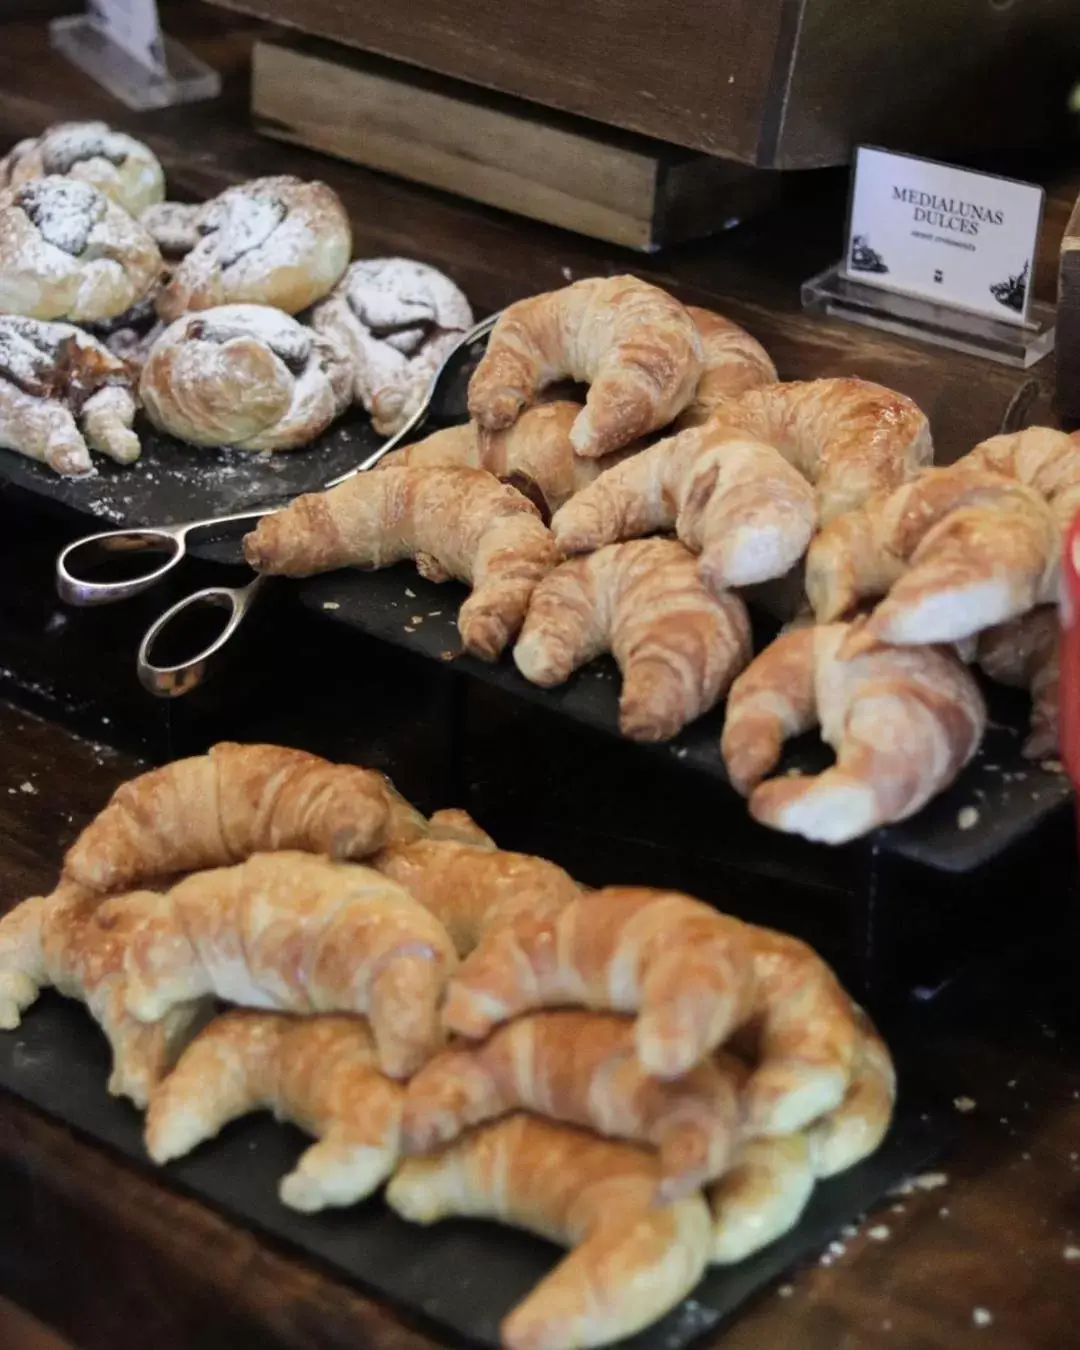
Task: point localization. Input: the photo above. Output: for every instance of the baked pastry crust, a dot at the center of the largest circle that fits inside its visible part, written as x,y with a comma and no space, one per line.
246,376
68,252
274,241
126,170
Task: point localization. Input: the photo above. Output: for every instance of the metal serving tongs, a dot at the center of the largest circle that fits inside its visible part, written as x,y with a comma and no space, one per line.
79,558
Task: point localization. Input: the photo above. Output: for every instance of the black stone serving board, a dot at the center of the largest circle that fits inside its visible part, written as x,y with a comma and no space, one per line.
1010,795
462,1276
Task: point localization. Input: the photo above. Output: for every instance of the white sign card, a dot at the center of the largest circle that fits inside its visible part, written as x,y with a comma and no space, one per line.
947,234
134,26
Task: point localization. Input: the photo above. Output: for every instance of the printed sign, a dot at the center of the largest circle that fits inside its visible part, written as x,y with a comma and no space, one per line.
953,236
133,25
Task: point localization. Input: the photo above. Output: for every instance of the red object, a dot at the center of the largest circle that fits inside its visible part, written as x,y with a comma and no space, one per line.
1069,693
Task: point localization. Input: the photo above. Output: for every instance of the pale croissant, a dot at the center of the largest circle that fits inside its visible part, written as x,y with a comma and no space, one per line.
849,437
677,645
632,1259
764,1192
958,550
581,1068
1041,458
302,934
692,976
470,887
734,500
321,1073
1026,654
632,343
460,523
237,800
733,362
534,454
75,942
903,722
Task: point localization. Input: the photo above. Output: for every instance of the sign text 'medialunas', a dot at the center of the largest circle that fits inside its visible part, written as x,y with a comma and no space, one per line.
947,213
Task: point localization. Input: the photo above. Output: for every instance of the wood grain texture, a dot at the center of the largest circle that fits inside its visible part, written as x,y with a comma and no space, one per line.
776,83
1068,321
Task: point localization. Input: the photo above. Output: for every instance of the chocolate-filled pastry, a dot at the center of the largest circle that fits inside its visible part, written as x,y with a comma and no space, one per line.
117,164
246,376
63,394
274,241
68,252
399,320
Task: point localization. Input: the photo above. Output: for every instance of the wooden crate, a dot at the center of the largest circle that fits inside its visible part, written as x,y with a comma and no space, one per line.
597,181
774,83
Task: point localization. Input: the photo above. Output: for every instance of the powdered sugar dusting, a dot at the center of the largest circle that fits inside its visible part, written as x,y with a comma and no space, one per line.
63,210
289,340
65,146
241,221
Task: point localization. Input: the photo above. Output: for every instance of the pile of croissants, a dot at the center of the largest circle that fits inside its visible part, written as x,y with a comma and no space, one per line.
114,300
579,535
628,1072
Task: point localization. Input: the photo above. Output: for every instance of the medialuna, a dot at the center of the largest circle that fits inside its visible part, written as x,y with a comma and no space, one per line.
947,213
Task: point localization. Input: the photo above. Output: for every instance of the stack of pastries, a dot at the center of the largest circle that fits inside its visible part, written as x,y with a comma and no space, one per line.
628,1072
235,322
638,522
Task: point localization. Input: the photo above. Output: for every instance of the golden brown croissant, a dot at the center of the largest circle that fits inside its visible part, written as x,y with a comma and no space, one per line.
469,887
633,344
237,800
677,644
849,437
1026,654
581,1068
903,721
632,1259
302,934
954,552
75,942
534,454
320,1073
733,363
735,501
763,1194
460,523
1043,459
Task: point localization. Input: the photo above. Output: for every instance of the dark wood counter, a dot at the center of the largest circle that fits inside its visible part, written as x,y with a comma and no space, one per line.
116,1260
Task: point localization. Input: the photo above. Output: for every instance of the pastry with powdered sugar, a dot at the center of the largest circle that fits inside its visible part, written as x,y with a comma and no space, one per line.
68,252
274,241
246,376
398,320
123,168
63,394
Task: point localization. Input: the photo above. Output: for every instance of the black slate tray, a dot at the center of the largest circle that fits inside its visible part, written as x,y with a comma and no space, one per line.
461,1275
1010,795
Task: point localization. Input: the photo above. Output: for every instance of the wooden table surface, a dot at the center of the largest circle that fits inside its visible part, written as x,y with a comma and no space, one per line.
115,1260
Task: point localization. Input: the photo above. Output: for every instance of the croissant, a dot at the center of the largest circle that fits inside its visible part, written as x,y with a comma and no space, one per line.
1041,458
246,376
956,551
469,887
581,1068
68,252
75,942
849,437
274,241
237,800
460,523
733,363
736,502
633,344
63,394
764,1192
320,1073
534,454
632,1259
116,164
398,320
677,645
903,721
458,827
1026,653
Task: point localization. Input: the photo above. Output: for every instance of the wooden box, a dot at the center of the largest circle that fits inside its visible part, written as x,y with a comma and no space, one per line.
566,171
773,83
1068,322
